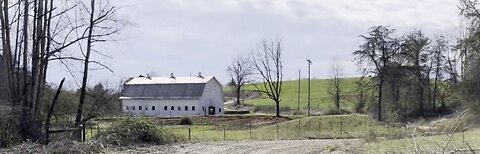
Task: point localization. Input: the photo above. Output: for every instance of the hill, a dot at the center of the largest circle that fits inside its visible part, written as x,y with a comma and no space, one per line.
320,98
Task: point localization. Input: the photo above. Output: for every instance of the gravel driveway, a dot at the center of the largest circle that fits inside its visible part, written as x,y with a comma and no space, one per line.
255,147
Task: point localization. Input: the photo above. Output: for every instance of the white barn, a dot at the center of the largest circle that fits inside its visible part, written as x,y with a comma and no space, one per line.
173,96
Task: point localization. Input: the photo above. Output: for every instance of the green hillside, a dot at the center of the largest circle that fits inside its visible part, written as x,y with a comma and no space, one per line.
320,99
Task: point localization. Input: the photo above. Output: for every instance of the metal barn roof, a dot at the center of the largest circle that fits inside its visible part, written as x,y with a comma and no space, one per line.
164,87
168,80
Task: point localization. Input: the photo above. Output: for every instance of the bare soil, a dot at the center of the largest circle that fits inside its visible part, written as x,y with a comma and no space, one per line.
254,147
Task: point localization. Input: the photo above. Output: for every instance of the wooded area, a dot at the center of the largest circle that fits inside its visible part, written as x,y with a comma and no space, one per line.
36,33
412,75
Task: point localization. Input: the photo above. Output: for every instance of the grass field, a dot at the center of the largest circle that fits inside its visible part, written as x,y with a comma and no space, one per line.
459,143
320,98
318,127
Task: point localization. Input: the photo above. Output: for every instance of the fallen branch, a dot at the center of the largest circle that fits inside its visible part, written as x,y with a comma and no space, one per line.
454,130
413,137
472,150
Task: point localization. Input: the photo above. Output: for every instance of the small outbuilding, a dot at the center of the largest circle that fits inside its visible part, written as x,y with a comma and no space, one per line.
173,96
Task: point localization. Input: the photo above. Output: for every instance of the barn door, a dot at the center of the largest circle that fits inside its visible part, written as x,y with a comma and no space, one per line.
211,110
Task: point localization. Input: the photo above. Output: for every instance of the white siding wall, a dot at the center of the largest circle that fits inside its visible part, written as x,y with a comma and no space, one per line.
159,107
213,96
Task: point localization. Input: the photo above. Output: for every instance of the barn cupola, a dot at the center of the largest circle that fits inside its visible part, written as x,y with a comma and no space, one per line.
171,76
200,75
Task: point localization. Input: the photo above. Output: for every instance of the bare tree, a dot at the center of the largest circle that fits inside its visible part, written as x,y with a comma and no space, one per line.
34,33
414,50
438,60
334,88
365,90
99,28
376,55
240,70
268,64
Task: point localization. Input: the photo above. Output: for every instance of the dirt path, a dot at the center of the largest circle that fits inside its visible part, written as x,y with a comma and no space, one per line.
255,147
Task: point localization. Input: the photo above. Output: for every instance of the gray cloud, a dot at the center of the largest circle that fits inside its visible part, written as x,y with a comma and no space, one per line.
188,36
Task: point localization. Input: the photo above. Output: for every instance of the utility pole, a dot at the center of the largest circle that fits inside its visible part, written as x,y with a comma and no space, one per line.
298,94
309,64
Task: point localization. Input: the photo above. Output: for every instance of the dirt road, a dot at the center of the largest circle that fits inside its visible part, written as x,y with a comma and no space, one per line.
255,147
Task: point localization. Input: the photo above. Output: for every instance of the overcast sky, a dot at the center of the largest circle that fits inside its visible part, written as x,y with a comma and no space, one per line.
189,36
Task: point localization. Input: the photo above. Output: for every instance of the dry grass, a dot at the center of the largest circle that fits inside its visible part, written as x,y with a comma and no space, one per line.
65,146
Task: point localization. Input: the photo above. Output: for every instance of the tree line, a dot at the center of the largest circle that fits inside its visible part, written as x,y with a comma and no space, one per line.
37,33
412,75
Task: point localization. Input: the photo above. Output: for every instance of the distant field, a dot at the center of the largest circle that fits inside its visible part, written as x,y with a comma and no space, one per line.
320,99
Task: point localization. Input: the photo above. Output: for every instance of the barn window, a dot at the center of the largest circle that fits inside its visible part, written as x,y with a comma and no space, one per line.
153,108
179,108
193,108
172,108
186,108
139,107
165,108
133,107
127,107
146,107
220,110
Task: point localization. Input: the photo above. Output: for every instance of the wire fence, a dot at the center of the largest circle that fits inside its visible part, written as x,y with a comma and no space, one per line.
334,128
295,129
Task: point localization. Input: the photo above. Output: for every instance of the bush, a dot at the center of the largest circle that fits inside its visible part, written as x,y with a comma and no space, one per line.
333,111
235,112
185,121
9,132
270,108
370,136
132,130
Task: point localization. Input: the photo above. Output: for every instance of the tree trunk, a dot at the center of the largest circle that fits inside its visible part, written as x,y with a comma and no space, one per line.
435,91
50,112
337,97
277,104
237,102
380,92
83,90
421,99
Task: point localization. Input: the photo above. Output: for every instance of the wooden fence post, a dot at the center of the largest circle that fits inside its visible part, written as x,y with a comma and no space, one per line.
224,135
366,125
83,131
91,131
331,125
299,129
250,127
341,126
277,131
189,133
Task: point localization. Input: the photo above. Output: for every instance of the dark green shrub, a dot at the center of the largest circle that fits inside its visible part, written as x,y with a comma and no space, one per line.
333,111
236,112
185,121
270,108
133,130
